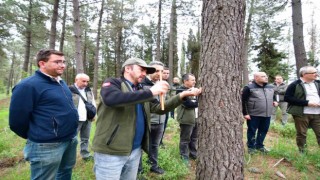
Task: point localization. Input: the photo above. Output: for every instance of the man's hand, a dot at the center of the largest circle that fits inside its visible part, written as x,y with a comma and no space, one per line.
160,87
247,117
275,103
312,104
191,92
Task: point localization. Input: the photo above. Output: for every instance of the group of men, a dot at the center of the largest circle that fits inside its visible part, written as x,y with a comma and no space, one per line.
49,114
301,99
130,118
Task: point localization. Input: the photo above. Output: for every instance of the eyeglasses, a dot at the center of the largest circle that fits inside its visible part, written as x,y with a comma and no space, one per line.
59,62
312,73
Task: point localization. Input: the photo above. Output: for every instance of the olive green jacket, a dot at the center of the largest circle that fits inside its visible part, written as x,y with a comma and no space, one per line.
115,128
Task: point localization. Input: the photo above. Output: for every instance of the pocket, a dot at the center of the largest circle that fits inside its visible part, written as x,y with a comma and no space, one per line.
55,126
114,132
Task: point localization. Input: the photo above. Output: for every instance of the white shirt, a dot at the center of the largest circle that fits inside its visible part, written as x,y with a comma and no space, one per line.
311,96
81,107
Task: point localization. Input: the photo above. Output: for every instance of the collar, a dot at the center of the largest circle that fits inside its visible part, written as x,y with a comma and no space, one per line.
58,79
304,82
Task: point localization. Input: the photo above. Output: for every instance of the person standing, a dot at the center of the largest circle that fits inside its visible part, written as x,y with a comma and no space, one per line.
175,85
123,123
279,90
42,111
257,102
84,125
157,121
303,97
165,77
187,114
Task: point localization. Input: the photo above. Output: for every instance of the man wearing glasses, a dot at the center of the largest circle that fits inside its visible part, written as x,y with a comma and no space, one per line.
42,111
303,100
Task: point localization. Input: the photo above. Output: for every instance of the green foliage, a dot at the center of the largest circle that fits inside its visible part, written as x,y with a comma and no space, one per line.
193,52
269,60
312,59
287,131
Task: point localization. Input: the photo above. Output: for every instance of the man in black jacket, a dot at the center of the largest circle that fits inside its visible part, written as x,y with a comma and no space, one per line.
303,97
257,102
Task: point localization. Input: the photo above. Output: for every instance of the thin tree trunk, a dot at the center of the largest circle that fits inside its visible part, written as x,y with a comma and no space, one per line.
245,75
119,42
63,26
77,34
10,78
220,152
96,59
298,42
158,32
53,31
28,41
171,40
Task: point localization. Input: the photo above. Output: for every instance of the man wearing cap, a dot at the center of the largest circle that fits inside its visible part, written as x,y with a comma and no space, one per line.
123,123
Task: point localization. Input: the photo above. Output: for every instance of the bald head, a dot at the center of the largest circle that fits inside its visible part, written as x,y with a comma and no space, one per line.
260,78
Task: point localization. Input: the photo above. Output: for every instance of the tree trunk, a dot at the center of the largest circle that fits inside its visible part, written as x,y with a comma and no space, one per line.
119,42
85,52
171,40
28,41
158,56
53,31
77,35
298,42
220,152
10,78
96,59
63,32
245,74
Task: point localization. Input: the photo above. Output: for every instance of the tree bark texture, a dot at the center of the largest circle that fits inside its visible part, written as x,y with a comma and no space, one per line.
54,19
220,151
28,41
245,74
298,42
77,35
172,39
96,58
158,56
63,32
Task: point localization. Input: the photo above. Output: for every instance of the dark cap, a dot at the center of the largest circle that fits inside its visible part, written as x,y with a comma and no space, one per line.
139,62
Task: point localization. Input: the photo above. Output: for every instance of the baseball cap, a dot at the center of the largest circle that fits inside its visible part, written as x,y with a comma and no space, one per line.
139,62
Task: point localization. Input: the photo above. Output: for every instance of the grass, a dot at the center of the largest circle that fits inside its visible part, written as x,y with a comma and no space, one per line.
280,139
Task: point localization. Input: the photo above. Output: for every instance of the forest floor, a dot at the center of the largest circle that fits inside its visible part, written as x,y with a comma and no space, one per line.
257,166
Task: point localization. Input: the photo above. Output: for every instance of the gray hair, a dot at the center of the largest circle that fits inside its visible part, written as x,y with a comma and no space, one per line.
80,75
156,63
304,70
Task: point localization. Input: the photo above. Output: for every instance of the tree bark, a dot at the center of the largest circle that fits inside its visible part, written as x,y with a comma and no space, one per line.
298,42
53,31
172,39
10,78
220,152
77,35
63,32
119,42
245,74
28,41
96,59
158,56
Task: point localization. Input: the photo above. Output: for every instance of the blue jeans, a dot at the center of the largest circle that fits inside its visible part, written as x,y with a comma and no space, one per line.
116,167
84,128
255,139
155,137
51,160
